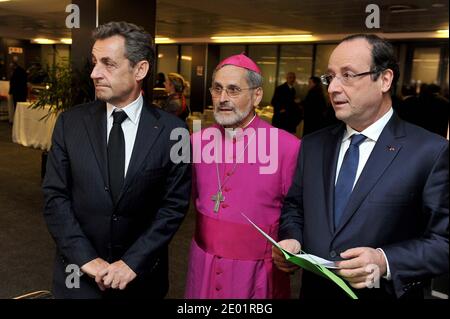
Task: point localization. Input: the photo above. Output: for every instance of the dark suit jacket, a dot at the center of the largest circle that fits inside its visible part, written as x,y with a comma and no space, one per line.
429,111
314,107
284,99
18,85
79,210
399,204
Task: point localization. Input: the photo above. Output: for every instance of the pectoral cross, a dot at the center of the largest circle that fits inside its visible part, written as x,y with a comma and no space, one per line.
218,198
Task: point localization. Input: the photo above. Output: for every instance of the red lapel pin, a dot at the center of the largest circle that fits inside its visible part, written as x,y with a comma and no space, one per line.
391,148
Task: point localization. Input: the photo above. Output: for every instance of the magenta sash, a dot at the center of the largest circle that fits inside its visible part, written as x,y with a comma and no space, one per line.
232,240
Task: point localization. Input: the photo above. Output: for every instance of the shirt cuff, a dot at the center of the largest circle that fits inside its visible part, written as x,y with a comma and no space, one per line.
388,271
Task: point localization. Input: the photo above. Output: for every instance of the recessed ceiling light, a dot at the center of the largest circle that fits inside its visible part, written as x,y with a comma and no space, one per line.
438,5
442,33
400,7
43,41
161,40
403,8
263,38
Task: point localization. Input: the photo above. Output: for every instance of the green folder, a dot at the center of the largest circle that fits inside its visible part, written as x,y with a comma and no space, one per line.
309,262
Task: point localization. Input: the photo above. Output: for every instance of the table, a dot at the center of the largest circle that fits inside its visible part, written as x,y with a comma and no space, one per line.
6,107
29,129
265,113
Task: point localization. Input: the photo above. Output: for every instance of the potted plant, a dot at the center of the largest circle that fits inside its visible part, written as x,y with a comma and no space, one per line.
64,88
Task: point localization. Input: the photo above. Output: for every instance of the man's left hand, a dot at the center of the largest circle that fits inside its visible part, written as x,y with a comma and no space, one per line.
117,275
362,266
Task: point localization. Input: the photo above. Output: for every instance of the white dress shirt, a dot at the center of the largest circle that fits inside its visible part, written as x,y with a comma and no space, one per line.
365,149
129,126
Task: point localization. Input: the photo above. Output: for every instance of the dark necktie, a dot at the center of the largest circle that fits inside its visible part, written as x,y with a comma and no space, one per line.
116,155
346,178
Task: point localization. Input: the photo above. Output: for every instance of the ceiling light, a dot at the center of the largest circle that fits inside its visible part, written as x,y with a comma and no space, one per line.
66,40
296,58
402,8
263,38
442,33
43,41
162,40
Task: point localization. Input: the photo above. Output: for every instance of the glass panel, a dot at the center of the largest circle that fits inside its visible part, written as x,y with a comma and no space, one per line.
167,58
47,56
266,58
58,54
323,53
185,66
425,66
297,59
186,62
445,90
62,54
228,50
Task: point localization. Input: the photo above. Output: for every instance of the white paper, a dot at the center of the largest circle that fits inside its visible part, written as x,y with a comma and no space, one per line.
318,260
309,257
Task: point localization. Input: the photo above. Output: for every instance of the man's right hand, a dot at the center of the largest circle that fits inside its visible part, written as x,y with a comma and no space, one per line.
292,246
93,268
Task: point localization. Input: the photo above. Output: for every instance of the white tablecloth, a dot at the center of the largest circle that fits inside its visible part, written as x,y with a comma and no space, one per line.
29,129
6,107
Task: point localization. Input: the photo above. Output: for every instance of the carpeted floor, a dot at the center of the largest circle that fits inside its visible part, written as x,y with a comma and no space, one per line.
26,248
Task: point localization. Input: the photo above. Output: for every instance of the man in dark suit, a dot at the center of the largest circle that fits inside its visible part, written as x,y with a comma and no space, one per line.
286,112
18,86
114,197
371,194
314,107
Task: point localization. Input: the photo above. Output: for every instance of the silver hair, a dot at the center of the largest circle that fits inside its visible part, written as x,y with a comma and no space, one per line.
254,80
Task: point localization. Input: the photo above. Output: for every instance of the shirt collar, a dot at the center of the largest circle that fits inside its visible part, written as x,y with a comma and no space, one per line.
133,109
372,132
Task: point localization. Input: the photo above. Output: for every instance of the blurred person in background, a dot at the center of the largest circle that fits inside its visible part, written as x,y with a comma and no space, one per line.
286,111
18,86
314,107
175,103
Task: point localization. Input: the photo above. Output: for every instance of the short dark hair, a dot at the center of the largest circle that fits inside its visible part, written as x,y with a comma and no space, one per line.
139,44
408,90
316,80
383,56
434,88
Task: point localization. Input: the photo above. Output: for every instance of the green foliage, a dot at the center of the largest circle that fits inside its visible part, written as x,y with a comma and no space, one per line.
58,91
64,89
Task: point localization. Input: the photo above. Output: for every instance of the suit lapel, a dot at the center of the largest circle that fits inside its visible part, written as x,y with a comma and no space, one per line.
330,158
148,131
95,123
384,152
